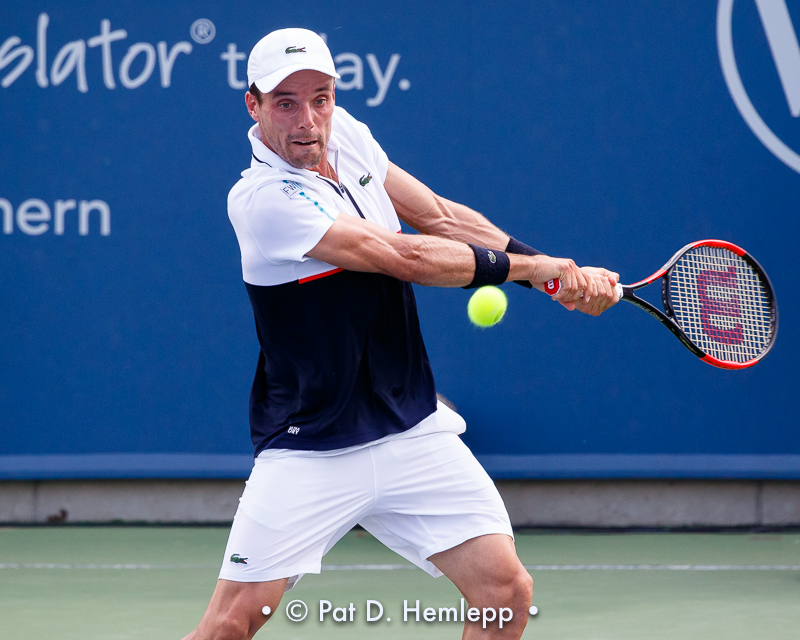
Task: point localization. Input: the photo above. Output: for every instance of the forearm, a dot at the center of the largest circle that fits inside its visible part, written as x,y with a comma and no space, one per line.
458,222
428,213
359,245
439,262
434,262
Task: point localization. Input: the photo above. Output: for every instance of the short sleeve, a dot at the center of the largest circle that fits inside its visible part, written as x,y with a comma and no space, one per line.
287,220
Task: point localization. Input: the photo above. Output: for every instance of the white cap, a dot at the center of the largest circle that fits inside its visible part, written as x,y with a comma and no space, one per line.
280,53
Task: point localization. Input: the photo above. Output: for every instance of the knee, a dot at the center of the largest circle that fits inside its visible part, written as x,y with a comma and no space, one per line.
518,595
513,590
223,628
524,589
518,591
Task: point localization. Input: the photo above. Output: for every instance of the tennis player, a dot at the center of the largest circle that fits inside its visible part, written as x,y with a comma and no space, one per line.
343,410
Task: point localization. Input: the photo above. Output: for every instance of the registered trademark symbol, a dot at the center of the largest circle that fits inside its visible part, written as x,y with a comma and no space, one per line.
202,31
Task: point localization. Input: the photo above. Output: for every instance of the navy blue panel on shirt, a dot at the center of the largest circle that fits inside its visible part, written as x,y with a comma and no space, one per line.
342,362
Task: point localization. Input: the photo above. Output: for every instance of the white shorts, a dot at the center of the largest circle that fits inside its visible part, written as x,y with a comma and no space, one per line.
417,495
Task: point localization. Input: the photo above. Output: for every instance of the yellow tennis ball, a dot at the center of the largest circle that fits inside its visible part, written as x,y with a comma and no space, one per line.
487,306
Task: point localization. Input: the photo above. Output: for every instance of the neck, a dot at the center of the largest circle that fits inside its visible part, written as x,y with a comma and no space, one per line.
322,167
325,169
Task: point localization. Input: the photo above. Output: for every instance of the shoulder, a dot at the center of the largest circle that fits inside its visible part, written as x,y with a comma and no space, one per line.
268,183
277,222
266,196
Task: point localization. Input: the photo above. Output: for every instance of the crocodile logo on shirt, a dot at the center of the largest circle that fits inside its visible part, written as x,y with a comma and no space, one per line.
293,49
364,181
237,560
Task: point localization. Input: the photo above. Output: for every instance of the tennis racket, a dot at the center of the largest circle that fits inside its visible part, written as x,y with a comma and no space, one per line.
718,302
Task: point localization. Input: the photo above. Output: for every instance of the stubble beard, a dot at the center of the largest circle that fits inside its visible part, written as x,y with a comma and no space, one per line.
306,161
286,150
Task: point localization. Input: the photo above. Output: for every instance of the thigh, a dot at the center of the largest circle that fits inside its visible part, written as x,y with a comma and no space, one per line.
482,566
432,495
491,577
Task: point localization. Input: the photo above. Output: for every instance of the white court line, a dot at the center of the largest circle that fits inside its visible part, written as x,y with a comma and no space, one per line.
366,567
395,567
31,565
663,567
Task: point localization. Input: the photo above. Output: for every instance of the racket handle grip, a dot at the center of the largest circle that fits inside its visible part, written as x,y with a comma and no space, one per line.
552,287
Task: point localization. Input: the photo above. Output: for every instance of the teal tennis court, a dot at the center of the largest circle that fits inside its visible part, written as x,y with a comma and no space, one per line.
65,583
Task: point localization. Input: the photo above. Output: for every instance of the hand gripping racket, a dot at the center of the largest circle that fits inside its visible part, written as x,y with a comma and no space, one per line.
717,301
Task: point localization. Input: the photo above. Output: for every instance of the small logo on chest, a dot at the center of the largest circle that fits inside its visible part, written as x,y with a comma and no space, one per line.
364,181
291,189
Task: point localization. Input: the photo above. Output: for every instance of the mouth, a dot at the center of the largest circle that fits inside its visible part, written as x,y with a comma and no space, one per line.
305,143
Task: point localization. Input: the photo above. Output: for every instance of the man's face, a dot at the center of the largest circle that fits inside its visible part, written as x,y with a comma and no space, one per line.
295,118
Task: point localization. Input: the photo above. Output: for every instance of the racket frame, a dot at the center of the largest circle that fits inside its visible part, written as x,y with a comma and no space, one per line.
667,317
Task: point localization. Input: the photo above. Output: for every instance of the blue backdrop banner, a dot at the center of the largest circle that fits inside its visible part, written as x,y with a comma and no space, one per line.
612,133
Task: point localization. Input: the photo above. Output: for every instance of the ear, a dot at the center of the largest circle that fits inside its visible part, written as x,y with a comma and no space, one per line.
252,106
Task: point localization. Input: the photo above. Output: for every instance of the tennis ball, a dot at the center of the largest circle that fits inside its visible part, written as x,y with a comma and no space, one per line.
487,306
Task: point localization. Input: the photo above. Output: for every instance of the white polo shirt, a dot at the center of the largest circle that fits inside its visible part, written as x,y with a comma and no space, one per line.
280,213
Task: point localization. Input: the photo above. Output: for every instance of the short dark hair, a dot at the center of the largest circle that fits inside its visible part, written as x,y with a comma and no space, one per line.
256,92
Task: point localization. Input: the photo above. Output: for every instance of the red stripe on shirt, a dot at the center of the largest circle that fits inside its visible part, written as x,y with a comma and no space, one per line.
320,275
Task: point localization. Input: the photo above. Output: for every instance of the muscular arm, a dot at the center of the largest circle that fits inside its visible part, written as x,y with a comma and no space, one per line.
428,213
359,245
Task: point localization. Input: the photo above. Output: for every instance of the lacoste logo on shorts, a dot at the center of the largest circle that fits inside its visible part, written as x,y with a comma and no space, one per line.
291,189
237,560
294,430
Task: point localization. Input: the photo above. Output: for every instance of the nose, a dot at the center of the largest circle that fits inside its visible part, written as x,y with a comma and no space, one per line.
305,120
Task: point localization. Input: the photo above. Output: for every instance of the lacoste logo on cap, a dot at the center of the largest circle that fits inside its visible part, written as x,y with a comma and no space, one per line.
364,181
237,560
293,49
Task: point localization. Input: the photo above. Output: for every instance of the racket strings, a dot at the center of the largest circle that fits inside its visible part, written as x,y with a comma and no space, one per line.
721,304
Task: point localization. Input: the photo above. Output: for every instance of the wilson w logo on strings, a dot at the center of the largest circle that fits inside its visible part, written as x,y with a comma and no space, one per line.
719,306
